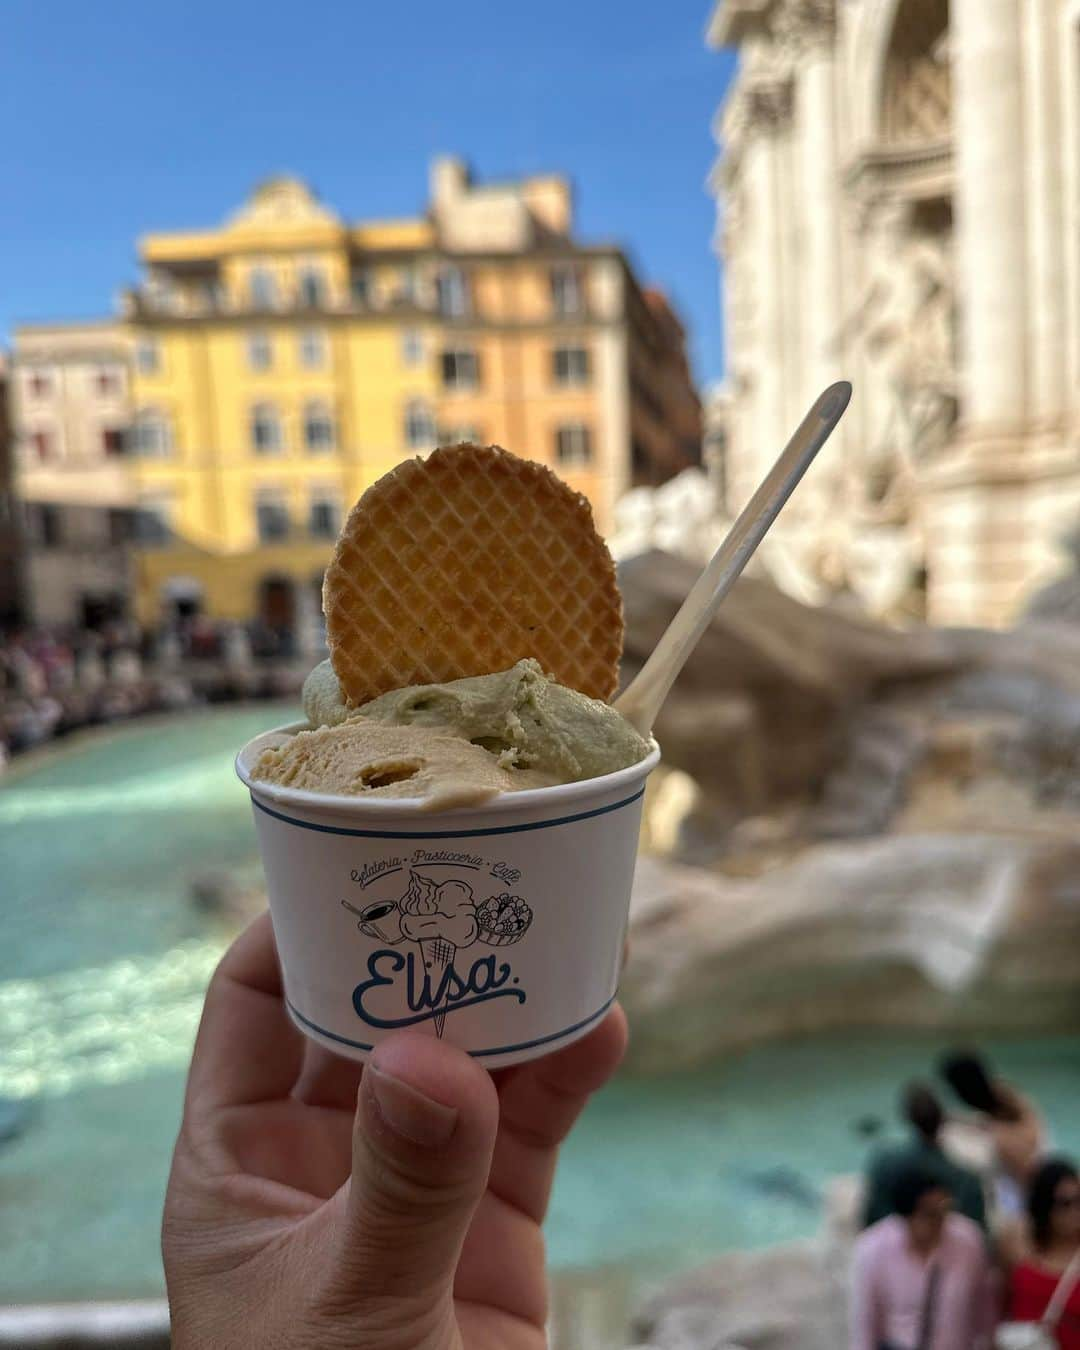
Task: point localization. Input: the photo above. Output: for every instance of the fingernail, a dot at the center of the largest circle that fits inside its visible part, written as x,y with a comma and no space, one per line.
408,1112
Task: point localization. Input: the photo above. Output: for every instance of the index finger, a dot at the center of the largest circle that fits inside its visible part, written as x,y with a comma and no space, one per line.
538,1105
247,1049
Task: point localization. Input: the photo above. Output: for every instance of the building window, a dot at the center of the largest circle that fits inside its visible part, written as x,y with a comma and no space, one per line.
324,515
107,382
311,287
208,295
461,433
44,524
271,517
39,384
412,347
42,441
113,441
261,288
260,351
452,293
147,356
566,297
570,365
313,348
573,445
407,285
361,287
419,425
153,522
121,526
151,436
266,436
318,428
460,369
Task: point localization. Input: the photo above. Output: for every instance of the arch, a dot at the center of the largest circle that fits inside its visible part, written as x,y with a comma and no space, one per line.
915,89
182,597
874,21
276,604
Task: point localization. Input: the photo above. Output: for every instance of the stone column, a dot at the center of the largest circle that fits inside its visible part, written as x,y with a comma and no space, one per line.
1044,187
819,214
806,29
769,106
988,121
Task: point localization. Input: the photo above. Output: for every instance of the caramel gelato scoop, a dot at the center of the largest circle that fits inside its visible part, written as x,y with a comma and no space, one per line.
362,758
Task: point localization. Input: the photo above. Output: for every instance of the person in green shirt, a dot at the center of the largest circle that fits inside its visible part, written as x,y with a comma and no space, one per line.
920,1109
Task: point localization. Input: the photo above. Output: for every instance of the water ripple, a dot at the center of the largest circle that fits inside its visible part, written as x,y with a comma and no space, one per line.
191,784
104,1024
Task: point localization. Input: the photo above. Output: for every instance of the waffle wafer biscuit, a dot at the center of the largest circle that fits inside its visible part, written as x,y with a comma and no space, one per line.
462,564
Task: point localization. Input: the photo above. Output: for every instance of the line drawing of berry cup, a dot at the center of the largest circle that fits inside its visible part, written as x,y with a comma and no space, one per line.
503,920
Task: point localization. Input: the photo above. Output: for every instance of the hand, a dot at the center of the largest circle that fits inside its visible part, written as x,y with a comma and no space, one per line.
316,1203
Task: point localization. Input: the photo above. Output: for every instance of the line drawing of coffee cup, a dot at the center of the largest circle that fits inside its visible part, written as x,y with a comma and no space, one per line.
380,920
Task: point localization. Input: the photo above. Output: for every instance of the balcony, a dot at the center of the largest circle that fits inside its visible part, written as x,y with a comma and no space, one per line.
155,535
140,304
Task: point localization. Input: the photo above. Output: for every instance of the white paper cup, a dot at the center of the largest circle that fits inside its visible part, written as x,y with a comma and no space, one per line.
531,892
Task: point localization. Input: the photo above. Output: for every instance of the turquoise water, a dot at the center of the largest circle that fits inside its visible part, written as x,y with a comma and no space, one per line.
103,961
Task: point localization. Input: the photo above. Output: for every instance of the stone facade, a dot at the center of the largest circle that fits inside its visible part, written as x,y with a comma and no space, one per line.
11,595
70,406
898,190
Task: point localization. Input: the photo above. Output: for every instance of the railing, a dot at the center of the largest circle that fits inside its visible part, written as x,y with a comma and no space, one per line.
142,304
298,534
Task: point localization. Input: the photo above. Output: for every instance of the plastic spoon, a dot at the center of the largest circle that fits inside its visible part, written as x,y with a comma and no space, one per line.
642,699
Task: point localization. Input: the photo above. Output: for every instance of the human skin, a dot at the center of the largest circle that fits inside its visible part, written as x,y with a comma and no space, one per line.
315,1203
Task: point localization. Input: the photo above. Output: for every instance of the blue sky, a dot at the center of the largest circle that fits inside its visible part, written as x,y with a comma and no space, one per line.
122,118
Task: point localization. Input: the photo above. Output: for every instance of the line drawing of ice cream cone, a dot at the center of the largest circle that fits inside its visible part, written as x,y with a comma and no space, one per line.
440,917
438,956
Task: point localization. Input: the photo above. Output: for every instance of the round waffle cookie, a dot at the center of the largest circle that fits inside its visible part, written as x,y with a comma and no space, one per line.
462,564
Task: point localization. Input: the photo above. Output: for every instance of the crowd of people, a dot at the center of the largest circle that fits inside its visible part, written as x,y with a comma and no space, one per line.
971,1228
54,681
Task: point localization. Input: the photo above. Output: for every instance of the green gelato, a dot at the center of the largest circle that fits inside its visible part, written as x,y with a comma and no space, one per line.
321,697
520,715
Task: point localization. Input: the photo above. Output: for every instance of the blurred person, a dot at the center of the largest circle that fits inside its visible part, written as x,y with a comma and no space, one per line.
921,1109
1044,1287
921,1278
315,1202
1015,1129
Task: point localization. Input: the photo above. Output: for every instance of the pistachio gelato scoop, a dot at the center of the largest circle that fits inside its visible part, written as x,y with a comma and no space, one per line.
324,704
525,719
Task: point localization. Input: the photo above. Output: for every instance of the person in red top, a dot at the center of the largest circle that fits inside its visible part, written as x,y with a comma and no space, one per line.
1054,1210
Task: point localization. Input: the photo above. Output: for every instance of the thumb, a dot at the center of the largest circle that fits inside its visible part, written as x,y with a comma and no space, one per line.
422,1142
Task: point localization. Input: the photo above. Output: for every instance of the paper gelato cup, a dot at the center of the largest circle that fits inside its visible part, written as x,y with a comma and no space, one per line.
498,927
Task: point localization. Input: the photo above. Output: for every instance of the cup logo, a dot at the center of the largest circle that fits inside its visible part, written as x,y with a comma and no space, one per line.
438,920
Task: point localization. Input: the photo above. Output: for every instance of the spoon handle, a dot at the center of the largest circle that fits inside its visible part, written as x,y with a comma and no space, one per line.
642,699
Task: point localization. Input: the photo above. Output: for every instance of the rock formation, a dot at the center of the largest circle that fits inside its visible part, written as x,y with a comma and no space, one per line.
886,826
789,1297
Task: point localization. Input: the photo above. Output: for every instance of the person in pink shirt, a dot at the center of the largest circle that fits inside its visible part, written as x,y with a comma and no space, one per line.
921,1278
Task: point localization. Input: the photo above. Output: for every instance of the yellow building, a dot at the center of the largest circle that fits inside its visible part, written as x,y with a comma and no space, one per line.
283,362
